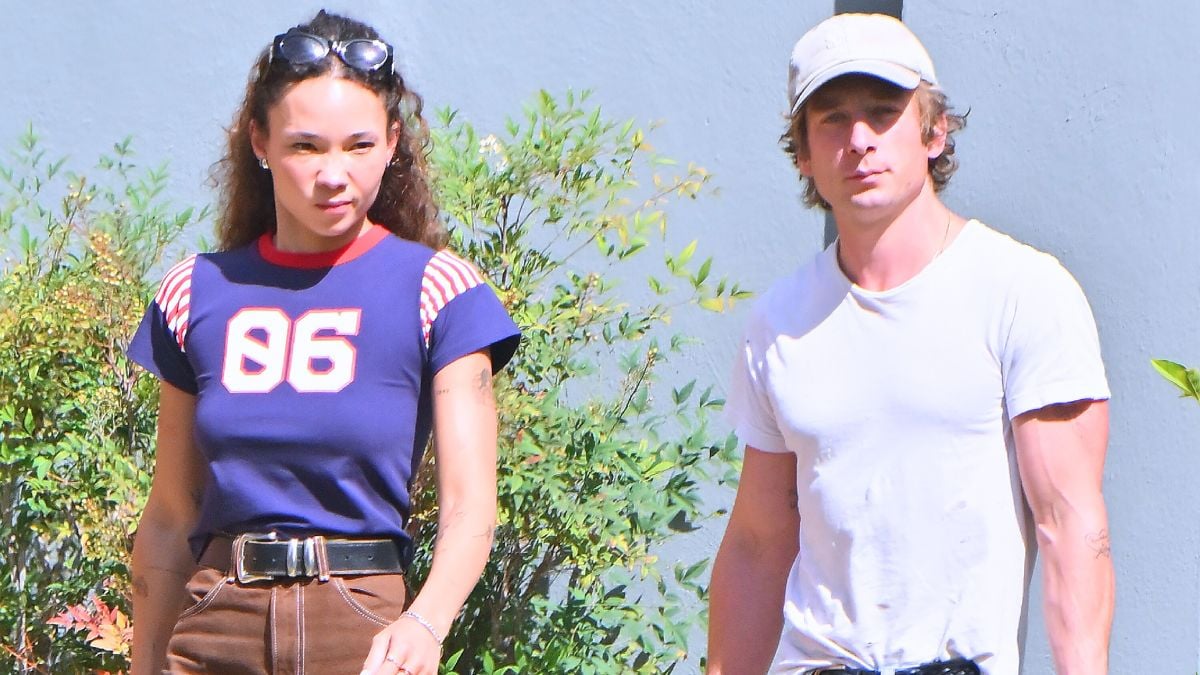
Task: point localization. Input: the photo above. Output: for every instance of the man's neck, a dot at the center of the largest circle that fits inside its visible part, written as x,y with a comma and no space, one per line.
878,252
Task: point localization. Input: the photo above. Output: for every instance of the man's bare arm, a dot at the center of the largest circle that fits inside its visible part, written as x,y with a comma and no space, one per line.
750,573
1060,452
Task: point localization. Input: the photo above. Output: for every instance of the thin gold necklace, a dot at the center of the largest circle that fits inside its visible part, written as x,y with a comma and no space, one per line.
945,238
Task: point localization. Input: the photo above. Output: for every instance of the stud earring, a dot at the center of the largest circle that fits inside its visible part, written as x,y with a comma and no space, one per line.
262,161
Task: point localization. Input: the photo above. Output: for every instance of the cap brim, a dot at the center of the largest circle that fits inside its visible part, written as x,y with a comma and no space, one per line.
885,70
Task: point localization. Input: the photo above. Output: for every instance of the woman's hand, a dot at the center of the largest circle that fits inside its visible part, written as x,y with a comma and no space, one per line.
404,647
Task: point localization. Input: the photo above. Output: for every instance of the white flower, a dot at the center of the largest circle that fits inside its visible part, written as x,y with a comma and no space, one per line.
490,145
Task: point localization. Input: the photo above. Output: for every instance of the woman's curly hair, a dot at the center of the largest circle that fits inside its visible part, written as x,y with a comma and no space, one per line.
405,204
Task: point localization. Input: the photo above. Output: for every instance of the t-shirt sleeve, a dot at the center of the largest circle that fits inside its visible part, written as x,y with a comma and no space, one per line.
1052,354
159,343
460,314
748,406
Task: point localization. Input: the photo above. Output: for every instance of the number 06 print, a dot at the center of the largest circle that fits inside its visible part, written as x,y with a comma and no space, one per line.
264,347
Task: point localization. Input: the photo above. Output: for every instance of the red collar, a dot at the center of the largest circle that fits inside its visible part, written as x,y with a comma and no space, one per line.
362,244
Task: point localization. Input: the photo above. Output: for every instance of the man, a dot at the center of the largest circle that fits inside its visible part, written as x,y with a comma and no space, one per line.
908,399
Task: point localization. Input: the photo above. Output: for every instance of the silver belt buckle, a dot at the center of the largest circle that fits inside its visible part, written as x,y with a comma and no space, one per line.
302,557
239,557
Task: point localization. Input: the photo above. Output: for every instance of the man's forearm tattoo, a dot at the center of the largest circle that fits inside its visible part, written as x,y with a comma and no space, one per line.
1100,544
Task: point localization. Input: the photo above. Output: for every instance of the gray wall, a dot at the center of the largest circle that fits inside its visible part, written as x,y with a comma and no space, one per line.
1082,140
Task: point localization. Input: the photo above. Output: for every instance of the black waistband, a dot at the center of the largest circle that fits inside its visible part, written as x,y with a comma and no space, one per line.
254,557
951,667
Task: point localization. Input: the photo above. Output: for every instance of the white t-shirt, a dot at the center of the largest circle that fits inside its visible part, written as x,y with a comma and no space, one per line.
914,540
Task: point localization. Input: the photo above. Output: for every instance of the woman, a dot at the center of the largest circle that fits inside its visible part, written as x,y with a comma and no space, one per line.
303,367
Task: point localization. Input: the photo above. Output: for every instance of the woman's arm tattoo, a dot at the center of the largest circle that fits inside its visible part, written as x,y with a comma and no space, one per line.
483,383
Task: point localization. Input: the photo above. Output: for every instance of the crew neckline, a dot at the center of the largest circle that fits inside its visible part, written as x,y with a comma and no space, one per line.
926,271
340,256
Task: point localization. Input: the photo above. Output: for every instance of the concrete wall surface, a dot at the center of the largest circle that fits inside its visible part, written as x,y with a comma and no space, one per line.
1082,140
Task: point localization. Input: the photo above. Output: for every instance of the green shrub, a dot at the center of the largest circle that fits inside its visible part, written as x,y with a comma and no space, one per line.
76,417
600,462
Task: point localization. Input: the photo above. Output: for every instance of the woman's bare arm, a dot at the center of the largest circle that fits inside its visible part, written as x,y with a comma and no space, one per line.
464,418
162,562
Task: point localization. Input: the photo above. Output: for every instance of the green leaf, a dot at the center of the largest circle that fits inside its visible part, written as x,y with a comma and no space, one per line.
691,572
1178,375
686,254
658,468
702,274
1193,379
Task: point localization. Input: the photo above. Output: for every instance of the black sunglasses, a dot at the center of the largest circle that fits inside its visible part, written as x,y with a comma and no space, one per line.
360,54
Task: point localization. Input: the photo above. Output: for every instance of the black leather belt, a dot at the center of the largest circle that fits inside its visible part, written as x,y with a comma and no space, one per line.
259,557
952,667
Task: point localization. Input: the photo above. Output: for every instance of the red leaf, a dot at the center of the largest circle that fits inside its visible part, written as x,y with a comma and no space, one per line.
64,620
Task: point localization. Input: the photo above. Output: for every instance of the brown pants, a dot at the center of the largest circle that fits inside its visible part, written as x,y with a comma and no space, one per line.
292,626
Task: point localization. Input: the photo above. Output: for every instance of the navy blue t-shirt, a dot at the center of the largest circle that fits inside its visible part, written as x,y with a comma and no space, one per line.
313,374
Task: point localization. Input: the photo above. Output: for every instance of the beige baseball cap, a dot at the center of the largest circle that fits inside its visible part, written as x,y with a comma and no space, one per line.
871,44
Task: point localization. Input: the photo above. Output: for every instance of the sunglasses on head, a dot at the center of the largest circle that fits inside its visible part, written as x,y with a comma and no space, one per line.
360,54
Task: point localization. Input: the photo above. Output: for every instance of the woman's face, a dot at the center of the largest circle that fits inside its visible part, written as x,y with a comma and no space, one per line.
327,144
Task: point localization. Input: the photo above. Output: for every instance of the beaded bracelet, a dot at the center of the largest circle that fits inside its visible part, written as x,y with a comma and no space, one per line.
424,622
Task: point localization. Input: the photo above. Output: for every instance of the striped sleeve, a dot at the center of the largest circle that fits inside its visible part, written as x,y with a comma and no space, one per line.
446,277
174,299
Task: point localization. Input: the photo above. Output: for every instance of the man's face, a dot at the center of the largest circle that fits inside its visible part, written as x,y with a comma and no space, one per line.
865,146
